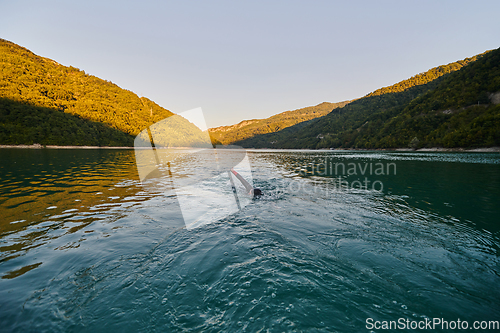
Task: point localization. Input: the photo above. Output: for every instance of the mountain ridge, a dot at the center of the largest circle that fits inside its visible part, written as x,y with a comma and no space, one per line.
44,102
56,97
248,128
366,122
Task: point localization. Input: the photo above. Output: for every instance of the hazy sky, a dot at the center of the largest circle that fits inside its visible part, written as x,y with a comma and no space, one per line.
242,60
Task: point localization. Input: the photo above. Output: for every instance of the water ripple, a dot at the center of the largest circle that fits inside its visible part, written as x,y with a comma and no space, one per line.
112,255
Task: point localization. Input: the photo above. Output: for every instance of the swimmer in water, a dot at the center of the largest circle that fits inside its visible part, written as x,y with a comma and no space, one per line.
250,190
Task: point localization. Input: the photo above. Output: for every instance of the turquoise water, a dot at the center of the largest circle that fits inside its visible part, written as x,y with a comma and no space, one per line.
86,247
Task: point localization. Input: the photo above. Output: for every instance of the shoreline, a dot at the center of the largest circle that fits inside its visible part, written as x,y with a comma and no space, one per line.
39,146
468,150
433,149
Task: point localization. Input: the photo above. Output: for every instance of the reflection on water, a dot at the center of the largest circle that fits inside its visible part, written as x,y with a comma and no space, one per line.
43,188
85,247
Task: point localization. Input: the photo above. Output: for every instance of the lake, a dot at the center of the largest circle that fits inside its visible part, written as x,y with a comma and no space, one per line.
339,241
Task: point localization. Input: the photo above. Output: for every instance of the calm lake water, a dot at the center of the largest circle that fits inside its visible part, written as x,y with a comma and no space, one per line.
336,239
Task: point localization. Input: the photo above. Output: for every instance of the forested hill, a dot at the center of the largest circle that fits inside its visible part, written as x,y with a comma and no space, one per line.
454,105
249,128
44,102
